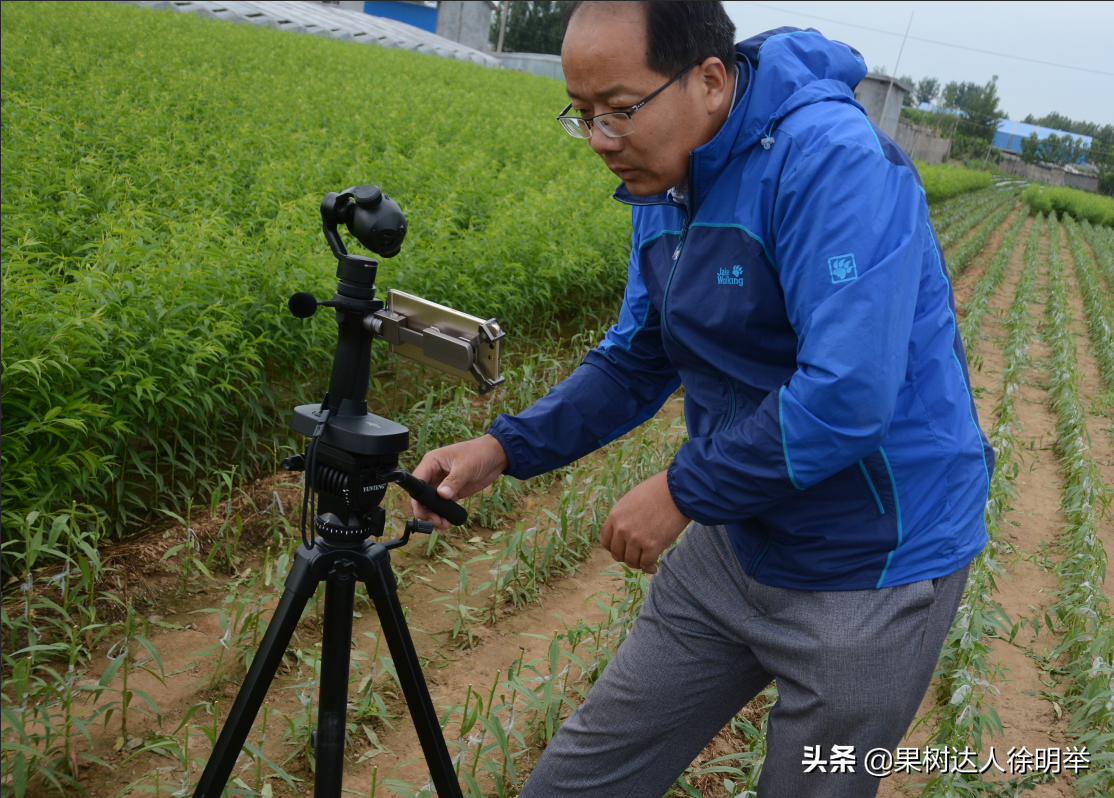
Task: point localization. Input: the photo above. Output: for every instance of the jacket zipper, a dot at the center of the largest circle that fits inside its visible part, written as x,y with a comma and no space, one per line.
665,307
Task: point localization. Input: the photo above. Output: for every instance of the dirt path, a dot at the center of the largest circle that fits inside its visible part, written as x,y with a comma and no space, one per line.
1092,387
183,628
965,283
1027,589
1035,518
513,637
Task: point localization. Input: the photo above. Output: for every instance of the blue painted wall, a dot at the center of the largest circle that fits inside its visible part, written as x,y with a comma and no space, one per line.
420,16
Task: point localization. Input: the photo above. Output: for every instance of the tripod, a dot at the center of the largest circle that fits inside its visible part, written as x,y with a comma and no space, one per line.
339,567
349,460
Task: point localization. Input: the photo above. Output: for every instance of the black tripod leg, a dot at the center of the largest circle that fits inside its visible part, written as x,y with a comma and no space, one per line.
336,651
300,585
409,670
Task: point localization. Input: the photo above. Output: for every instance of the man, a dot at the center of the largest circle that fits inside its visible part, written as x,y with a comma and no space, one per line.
784,270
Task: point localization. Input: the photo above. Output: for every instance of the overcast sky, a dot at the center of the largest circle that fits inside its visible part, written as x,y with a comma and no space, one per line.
1077,34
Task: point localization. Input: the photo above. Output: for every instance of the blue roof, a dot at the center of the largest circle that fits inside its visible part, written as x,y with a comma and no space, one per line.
1011,134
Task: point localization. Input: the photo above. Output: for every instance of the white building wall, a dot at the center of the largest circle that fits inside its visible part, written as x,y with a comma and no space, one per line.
871,92
465,21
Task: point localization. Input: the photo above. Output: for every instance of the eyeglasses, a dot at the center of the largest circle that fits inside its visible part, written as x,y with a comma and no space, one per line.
614,123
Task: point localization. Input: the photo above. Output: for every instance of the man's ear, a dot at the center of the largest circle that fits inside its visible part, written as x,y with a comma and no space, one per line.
714,77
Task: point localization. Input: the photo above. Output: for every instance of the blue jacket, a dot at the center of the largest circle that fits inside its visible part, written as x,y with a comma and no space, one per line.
799,294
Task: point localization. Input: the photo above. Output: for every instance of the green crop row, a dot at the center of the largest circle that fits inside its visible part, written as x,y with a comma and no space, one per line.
972,216
1081,612
1097,305
1101,240
965,673
975,309
942,181
945,214
161,176
963,254
1081,205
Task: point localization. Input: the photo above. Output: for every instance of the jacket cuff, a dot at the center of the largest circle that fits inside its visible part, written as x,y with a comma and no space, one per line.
674,494
499,433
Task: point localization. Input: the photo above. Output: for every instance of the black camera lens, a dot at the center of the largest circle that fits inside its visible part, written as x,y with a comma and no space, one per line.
380,228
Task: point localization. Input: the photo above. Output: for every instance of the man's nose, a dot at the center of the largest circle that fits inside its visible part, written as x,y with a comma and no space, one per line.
601,142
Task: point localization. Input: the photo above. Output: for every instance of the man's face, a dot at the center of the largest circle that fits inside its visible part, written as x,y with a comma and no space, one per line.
604,57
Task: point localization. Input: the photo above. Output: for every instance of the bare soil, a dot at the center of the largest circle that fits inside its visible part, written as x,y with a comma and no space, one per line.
1025,699
965,282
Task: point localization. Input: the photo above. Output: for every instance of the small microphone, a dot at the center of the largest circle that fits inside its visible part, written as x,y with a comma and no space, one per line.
302,305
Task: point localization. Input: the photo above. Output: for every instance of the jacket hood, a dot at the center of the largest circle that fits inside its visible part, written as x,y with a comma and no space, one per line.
793,68
789,68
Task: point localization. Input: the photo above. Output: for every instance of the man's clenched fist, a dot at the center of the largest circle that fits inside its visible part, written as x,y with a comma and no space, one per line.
642,524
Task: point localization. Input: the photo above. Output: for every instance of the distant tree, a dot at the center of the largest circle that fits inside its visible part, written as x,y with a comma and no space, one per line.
1030,148
927,89
950,94
981,106
959,95
1060,122
1051,150
880,70
1106,180
1078,150
1102,147
1054,149
533,26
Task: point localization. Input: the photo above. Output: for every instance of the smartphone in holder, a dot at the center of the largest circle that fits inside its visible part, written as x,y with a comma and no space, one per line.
449,340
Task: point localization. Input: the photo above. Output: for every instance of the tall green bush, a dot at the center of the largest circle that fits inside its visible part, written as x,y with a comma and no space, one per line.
942,181
1077,204
161,176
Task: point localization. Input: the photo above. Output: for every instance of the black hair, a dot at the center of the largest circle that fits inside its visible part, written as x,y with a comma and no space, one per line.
681,33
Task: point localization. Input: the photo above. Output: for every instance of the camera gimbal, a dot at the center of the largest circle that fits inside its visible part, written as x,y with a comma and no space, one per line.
350,458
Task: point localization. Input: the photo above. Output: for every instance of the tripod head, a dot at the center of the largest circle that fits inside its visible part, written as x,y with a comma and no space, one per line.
353,454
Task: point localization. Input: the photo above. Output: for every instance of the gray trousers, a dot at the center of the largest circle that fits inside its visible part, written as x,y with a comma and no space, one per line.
851,669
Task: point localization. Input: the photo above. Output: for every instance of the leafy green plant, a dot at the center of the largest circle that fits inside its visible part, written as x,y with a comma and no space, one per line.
189,547
1101,240
1081,205
969,217
240,617
120,661
1097,305
942,181
146,342
958,209
1082,609
975,307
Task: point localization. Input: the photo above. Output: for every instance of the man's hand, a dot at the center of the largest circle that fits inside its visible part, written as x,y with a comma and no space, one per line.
459,470
642,524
